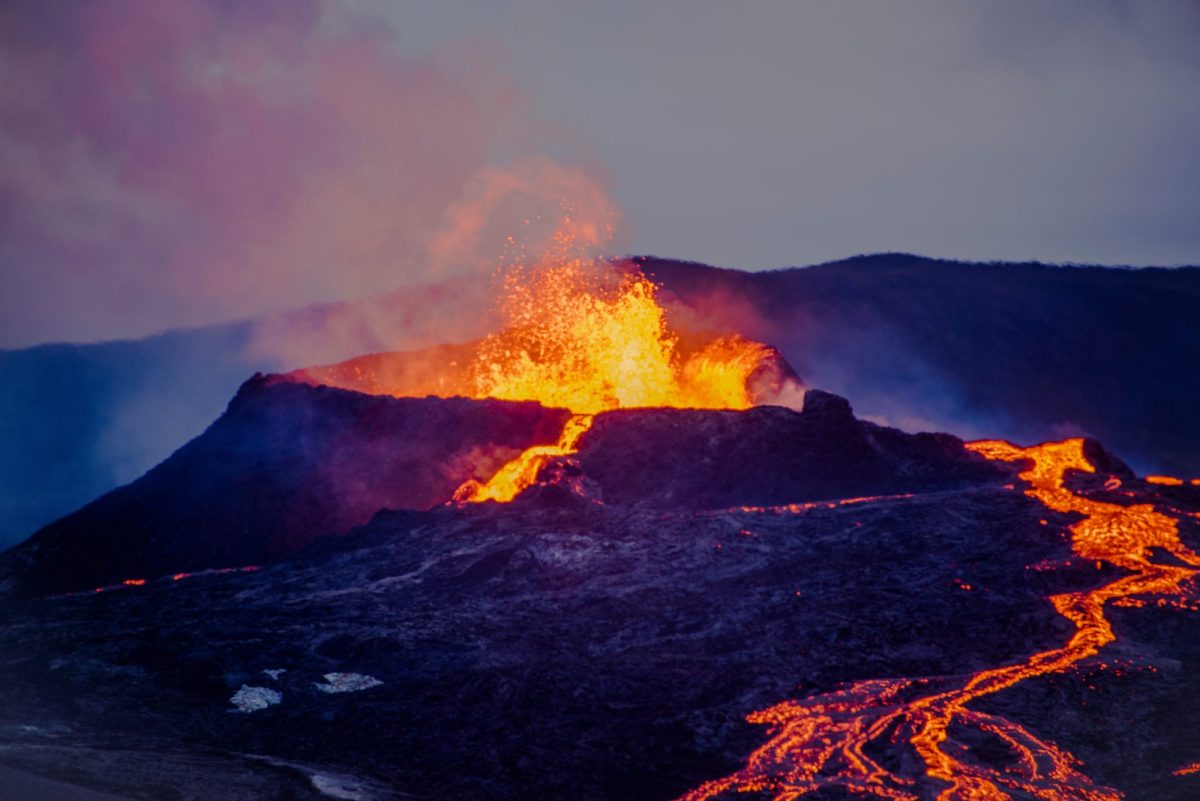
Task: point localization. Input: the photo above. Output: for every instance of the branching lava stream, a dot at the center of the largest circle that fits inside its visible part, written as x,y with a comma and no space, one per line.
821,741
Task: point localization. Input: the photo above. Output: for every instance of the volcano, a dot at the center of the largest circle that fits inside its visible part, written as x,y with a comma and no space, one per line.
593,557
1027,352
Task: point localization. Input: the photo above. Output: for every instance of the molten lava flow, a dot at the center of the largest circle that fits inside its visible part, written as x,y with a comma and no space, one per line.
581,337
1166,481
797,508
141,582
523,471
821,741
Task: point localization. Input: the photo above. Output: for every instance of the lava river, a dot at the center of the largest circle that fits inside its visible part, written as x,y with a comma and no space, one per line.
829,740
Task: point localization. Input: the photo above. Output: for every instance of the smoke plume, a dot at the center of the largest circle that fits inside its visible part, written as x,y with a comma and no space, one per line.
175,162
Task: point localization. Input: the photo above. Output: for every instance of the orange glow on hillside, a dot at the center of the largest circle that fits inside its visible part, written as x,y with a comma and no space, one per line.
1166,481
141,582
827,741
575,332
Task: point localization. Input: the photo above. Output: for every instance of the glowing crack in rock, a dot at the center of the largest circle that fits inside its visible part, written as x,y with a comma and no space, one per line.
141,582
253,699
347,683
828,740
798,508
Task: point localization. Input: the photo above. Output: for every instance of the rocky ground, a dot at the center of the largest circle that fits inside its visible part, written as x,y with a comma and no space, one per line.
604,636
575,650
289,463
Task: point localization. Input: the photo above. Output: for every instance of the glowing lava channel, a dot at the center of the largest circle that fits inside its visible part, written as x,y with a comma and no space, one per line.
523,471
821,741
141,582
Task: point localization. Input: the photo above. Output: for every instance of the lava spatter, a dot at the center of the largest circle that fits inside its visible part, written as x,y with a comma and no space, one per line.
822,741
581,337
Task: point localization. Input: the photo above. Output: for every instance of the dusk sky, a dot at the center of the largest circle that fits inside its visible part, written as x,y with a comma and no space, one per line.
178,163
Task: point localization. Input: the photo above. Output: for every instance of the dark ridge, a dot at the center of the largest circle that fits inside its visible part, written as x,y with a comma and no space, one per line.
768,455
289,463
284,465
1026,352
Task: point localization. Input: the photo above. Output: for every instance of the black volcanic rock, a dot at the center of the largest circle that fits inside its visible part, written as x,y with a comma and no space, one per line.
1022,351
287,463
768,455
1104,460
596,653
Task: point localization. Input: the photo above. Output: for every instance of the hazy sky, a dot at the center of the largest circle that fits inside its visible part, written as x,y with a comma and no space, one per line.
178,162
768,134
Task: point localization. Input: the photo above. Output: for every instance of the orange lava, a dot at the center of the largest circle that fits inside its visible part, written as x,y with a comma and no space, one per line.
821,741
521,472
1166,481
796,508
1187,770
580,336
141,582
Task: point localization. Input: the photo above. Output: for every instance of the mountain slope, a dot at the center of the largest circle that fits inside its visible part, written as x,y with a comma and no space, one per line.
1024,351
77,420
289,463
286,464
595,652
1028,352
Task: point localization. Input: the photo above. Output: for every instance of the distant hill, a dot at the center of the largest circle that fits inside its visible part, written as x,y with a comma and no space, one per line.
77,420
1023,351
1027,352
